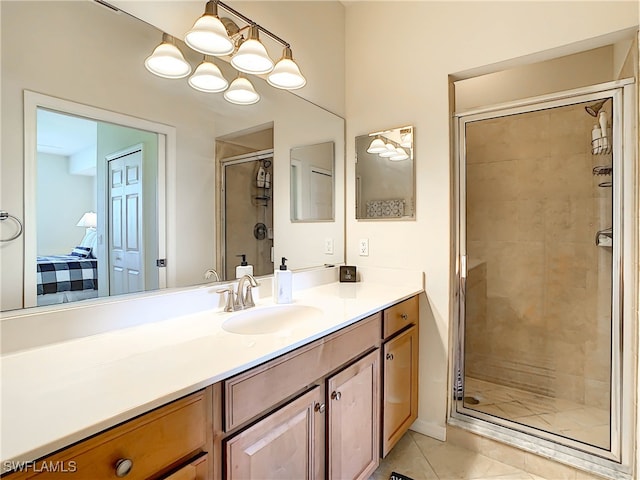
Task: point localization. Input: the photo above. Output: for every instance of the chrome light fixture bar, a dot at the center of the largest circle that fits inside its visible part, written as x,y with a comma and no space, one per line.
212,35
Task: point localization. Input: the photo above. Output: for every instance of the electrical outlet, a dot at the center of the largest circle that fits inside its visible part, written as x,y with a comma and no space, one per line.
363,247
328,246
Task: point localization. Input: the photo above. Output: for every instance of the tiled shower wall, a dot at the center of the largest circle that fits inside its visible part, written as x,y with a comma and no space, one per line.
538,288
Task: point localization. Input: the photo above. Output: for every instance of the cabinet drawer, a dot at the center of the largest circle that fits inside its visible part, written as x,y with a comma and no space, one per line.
252,392
399,316
153,443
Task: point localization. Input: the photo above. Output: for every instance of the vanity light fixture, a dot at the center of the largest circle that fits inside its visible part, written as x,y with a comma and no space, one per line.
212,35
208,78
167,61
286,73
241,92
208,35
252,56
406,138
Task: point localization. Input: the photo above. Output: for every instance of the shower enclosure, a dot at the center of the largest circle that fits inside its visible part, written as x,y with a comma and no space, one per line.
247,213
540,245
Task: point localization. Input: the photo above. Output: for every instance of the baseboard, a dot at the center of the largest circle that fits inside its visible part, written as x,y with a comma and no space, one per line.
439,432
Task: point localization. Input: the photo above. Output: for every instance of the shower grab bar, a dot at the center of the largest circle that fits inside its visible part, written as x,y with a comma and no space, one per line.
3,216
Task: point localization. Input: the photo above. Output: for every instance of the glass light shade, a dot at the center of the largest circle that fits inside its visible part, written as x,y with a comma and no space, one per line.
406,140
252,57
167,61
377,146
88,220
389,152
209,36
401,154
241,92
286,74
208,78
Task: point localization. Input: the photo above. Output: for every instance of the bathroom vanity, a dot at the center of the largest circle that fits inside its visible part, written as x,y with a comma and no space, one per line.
325,399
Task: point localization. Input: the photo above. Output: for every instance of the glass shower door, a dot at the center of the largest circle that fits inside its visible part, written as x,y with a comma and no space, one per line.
537,195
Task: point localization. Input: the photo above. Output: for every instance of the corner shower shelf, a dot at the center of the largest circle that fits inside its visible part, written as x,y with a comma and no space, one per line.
603,170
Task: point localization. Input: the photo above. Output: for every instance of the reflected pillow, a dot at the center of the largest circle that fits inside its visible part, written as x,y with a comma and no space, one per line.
82,252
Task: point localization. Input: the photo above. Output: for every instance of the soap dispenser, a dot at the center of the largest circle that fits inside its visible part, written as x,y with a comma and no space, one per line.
244,268
282,284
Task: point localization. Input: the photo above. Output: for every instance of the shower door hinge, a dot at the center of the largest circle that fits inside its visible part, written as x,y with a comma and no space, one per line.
161,262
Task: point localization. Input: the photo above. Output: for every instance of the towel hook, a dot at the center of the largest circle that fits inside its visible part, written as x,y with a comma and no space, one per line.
3,216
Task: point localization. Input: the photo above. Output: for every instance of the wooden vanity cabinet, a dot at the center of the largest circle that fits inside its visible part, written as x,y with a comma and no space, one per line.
330,423
170,442
399,371
353,420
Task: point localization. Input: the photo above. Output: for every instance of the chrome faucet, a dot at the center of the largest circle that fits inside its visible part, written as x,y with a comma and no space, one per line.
245,299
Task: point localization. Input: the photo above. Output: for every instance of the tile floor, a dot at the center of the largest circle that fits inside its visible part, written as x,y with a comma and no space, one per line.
562,417
423,458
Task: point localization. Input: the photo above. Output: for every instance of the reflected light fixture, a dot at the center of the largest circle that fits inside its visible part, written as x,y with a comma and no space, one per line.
286,73
406,139
401,154
241,92
167,61
208,35
208,78
377,146
390,151
252,56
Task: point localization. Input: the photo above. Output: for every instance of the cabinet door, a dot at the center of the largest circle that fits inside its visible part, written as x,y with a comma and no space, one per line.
353,422
287,444
400,389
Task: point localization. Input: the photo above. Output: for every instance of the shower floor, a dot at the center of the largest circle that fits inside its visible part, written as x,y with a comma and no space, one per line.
556,415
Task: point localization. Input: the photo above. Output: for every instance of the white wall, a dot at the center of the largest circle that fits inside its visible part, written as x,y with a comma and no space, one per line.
62,199
432,41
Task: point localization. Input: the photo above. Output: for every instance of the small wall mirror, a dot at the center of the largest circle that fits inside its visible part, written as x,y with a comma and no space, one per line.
385,176
312,182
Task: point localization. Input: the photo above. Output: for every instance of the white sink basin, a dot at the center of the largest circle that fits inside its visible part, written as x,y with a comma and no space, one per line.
272,319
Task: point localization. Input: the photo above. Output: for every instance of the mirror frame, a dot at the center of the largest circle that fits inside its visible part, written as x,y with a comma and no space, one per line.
166,162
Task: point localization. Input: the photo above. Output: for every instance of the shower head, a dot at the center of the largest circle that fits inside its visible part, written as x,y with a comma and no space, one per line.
595,108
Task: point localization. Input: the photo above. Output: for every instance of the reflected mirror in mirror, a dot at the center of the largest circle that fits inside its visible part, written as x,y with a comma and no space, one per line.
385,177
312,182
94,58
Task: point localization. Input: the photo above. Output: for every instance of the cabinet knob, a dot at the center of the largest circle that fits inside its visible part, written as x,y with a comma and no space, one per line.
404,316
123,467
336,395
389,356
319,407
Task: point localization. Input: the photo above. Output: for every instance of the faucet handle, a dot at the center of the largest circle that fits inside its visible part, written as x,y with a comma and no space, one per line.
228,306
248,298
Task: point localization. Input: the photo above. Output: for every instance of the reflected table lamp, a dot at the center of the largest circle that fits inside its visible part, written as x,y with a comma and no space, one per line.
89,220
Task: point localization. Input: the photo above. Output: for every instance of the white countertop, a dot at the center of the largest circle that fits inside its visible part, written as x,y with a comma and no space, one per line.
57,394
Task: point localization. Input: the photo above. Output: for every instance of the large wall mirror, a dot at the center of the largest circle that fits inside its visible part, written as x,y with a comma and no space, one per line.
89,76
385,177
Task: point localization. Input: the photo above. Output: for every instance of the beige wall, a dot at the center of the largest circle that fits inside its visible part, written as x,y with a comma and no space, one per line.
543,322
435,40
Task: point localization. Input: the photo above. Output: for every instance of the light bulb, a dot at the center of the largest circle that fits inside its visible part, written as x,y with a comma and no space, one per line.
208,35
252,57
286,73
167,61
241,92
208,78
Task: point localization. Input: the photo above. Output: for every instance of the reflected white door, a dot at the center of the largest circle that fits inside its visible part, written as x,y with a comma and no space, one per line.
321,194
126,254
